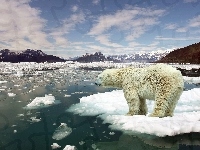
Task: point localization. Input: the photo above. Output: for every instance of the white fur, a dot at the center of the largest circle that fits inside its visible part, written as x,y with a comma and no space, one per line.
160,82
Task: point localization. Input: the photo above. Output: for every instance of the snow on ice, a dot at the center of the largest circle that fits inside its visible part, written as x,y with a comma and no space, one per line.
40,102
112,108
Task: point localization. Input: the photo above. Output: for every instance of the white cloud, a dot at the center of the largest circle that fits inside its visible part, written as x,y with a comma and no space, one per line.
171,26
189,1
21,25
176,38
95,2
182,29
133,44
74,8
195,22
192,24
132,21
104,39
68,24
96,48
127,19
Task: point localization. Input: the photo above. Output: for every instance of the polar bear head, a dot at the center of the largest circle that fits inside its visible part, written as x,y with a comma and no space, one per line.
109,78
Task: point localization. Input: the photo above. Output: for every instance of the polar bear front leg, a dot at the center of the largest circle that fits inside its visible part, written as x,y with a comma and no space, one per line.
143,107
133,102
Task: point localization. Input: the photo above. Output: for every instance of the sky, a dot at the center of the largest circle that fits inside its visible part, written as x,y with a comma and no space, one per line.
69,28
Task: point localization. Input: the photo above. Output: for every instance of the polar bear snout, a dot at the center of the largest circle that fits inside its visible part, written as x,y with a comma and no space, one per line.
98,82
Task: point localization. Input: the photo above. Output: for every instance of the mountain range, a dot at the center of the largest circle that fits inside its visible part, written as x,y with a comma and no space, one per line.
27,56
188,54
137,57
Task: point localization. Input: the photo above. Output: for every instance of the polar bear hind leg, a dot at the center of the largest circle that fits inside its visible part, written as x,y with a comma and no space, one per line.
175,97
165,103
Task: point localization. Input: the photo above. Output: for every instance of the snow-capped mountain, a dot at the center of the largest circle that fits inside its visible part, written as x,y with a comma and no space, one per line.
137,57
140,57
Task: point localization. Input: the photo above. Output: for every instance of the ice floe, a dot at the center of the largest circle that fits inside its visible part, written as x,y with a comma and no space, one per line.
40,102
11,94
191,80
55,146
112,107
35,119
61,132
69,147
67,95
3,82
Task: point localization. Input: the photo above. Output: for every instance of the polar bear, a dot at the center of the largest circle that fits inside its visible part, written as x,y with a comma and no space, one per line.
159,82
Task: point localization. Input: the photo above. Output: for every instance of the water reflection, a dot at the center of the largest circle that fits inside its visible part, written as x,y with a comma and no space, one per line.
139,142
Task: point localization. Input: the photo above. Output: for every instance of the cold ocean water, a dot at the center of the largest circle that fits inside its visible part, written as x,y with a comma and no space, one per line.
33,115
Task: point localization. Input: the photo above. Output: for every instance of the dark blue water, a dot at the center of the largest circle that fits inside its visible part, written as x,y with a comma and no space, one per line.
18,132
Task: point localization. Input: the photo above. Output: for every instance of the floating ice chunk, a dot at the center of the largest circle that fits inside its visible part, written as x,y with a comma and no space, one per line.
94,146
112,133
19,73
55,146
15,131
191,80
81,142
40,102
112,108
34,119
11,94
61,132
20,115
67,95
69,147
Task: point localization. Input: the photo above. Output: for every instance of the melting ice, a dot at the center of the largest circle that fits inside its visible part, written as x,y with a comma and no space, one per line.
112,107
61,132
40,102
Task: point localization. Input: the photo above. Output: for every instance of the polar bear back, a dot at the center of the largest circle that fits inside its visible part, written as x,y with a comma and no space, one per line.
150,80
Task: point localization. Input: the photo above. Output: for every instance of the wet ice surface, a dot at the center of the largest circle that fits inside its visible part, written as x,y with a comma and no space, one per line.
112,108
22,83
